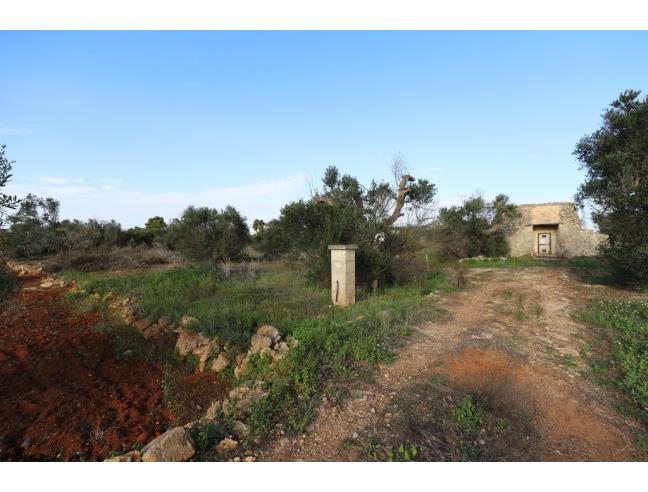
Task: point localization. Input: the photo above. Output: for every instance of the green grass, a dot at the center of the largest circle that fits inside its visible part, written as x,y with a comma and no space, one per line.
329,346
622,344
230,307
506,262
587,268
437,281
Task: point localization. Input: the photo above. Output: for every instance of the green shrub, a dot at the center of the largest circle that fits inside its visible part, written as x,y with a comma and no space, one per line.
614,157
305,230
203,233
469,414
476,228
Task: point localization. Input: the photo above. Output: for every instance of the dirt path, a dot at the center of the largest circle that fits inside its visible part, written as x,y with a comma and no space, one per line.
511,328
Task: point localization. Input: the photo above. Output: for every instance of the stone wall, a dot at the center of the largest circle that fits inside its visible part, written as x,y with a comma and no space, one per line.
568,240
521,241
583,242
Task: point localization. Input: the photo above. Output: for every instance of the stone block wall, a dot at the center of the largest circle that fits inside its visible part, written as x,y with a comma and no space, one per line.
568,240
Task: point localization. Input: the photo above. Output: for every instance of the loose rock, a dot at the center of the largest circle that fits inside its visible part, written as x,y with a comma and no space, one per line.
221,363
226,445
126,458
188,341
173,445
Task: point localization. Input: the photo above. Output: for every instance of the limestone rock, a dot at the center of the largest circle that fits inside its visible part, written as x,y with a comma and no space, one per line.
241,399
259,342
242,365
239,429
126,458
153,331
173,445
269,331
142,324
188,341
282,348
221,363
226,445
213,410
204,352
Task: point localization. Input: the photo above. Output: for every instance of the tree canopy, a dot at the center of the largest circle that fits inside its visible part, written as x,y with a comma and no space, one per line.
615,158
7,202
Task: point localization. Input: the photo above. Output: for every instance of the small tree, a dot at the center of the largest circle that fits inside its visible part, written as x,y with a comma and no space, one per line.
7,202
346,212
203,233
477,227
34,228
616,160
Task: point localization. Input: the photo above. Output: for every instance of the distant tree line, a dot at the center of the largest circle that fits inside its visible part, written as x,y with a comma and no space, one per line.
383,219
201,233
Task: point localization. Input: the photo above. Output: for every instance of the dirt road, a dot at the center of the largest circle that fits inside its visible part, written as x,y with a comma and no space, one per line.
509,327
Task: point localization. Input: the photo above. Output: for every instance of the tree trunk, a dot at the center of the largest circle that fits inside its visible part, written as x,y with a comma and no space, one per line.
403,191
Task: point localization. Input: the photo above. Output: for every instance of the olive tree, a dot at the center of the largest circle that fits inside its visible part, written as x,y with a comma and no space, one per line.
615,158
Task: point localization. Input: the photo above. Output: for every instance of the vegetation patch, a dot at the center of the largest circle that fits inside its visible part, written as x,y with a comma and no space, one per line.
619,354
331,346
436,422
7,281
229,301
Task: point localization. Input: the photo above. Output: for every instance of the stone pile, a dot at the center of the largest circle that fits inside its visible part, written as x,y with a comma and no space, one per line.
22,270
134,316
266,341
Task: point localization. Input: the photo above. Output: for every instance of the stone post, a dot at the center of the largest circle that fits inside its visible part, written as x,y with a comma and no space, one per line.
343,274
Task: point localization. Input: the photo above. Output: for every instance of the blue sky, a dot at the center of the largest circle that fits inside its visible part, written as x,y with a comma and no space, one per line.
127,125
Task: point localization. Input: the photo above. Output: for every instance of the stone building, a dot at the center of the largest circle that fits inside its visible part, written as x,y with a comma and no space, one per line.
552,230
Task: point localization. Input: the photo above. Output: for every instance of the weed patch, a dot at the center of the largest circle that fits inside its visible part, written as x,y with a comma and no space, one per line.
622,326
436,422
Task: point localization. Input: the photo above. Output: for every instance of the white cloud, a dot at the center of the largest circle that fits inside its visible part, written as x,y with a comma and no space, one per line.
51,180
133,207
10,132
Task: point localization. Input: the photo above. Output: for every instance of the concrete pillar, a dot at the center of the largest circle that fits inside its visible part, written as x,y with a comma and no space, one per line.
343,274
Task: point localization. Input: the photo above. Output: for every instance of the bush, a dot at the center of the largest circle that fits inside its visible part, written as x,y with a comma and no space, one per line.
476,228
306,229
203,233
33,228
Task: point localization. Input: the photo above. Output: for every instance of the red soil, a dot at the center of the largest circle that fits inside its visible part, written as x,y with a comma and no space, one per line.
63,393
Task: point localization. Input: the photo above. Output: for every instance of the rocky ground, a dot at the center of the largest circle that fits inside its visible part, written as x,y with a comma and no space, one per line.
510,334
